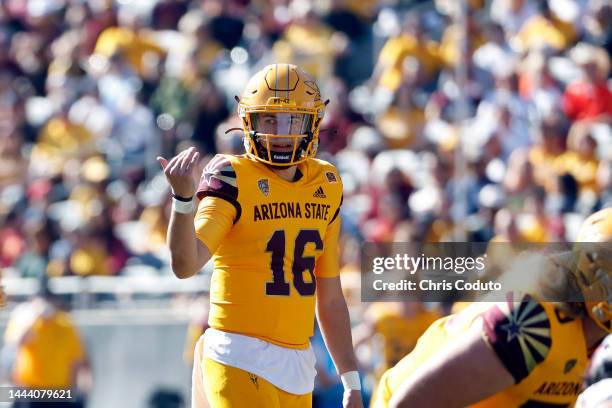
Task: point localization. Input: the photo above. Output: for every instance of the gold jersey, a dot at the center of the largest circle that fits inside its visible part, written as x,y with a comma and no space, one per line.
542,349
50,353
284,235
398,333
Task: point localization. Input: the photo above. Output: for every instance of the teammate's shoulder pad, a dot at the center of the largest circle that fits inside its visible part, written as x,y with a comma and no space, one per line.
518,330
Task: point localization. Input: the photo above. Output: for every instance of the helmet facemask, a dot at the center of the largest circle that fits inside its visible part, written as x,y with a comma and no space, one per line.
281,138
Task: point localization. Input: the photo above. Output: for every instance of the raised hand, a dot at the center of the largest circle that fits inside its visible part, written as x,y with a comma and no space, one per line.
180,172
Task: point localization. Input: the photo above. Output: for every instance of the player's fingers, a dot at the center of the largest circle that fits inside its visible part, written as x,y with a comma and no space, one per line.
175,164
163,162
170,164
194,160
191,160
186,160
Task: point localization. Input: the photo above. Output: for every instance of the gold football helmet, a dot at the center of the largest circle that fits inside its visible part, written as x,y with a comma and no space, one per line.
281,112
594,267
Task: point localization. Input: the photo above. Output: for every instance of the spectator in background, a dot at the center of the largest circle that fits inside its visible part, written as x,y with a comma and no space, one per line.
512,14
26,51
581,161
505,228
12,164
589,97
454,36
411,42
544,29
98,17
604,182
546,155
349,21
534,223
495,52
537,84
309,42
167,13
340,119
227,21
597,23
131,39
402,123
518,180
208,110
155,220
7,63
90,256
60,140
39,236
12,240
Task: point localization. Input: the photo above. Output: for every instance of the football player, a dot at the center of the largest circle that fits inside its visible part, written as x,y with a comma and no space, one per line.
397,326
270,220
519,353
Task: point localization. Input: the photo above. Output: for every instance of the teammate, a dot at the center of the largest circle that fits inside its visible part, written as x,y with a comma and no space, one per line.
43,349
397,326
519,353
270,220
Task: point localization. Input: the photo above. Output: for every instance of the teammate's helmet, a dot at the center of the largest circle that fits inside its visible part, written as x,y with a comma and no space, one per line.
594,266
281,111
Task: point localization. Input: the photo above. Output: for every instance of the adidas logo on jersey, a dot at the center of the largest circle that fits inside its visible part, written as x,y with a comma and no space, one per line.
319,193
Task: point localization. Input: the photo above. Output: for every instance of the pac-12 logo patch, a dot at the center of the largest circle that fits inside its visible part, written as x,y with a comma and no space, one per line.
264,186
331,177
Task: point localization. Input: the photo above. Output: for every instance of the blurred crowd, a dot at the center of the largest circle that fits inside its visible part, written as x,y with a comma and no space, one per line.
489,122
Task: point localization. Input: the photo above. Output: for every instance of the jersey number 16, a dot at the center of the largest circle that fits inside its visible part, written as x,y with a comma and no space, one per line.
276,245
